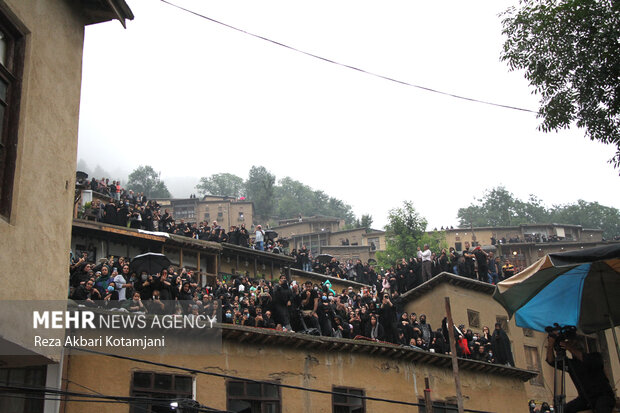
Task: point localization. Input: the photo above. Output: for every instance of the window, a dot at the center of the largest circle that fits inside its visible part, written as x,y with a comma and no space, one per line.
503,320
184,212
207,217
458,246
532,360
161,388
22,402
241,218
473,318
348,404
245,396
528,332
439,407
11,64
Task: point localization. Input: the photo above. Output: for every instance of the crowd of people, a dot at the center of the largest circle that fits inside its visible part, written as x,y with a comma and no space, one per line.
372,313
134,210
409,273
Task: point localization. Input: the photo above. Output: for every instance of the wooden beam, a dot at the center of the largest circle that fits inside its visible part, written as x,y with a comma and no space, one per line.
455,363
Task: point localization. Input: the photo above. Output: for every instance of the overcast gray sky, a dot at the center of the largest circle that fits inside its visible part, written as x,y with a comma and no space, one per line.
193,98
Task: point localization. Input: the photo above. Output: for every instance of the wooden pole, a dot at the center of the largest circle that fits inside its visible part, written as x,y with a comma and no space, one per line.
455,363
427,396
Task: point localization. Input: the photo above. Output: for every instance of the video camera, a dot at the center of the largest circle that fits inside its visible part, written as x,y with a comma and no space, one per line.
561,333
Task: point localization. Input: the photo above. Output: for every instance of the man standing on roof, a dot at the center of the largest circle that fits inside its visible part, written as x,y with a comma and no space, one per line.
425,256
259,241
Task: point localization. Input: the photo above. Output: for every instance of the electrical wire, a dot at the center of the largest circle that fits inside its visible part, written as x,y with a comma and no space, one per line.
105,398
281,385
391,79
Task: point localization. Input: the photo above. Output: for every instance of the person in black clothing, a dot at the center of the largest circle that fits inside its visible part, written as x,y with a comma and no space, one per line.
310,305
483,267
501,346
387,318
359,272
468,268
243,236
374,329
587,372
454,261
282,301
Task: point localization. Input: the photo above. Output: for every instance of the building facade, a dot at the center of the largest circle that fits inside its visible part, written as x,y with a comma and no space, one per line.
227,211
525,244
324,235
41,47
301,363
472,304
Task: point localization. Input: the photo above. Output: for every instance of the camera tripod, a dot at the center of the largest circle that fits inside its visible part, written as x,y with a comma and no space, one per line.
559,396
562,363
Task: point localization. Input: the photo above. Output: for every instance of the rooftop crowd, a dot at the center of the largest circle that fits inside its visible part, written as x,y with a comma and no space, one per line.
375,312
134,210
474,263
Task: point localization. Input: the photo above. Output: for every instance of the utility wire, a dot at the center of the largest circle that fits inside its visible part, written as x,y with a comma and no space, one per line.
183,403
286,386
428,89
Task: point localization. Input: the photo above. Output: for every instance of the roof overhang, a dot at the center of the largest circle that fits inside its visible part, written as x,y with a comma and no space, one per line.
97,11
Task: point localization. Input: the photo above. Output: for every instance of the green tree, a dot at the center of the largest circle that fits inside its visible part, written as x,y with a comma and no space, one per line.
294,198
366,221
260,189
589,215
499,207
403,233
145,179
224,184
569,52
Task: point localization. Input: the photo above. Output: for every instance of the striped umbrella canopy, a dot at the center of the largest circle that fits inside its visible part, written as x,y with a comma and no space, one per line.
575,288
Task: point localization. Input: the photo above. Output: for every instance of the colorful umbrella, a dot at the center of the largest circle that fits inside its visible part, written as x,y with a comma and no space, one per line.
575,288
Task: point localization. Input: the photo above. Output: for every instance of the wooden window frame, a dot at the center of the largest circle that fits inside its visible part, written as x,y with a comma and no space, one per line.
137,390
246,397
11,74
471,313
538,380
347,390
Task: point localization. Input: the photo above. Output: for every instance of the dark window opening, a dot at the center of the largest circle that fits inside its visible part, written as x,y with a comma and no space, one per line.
11,66
16,402
161,390
348,404
249,397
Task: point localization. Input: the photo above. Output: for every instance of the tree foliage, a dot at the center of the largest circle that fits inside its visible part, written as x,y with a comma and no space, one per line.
287,199
364,222
224,184
260,189
294,198
589,215
570,54
145,179
404,233
499,207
